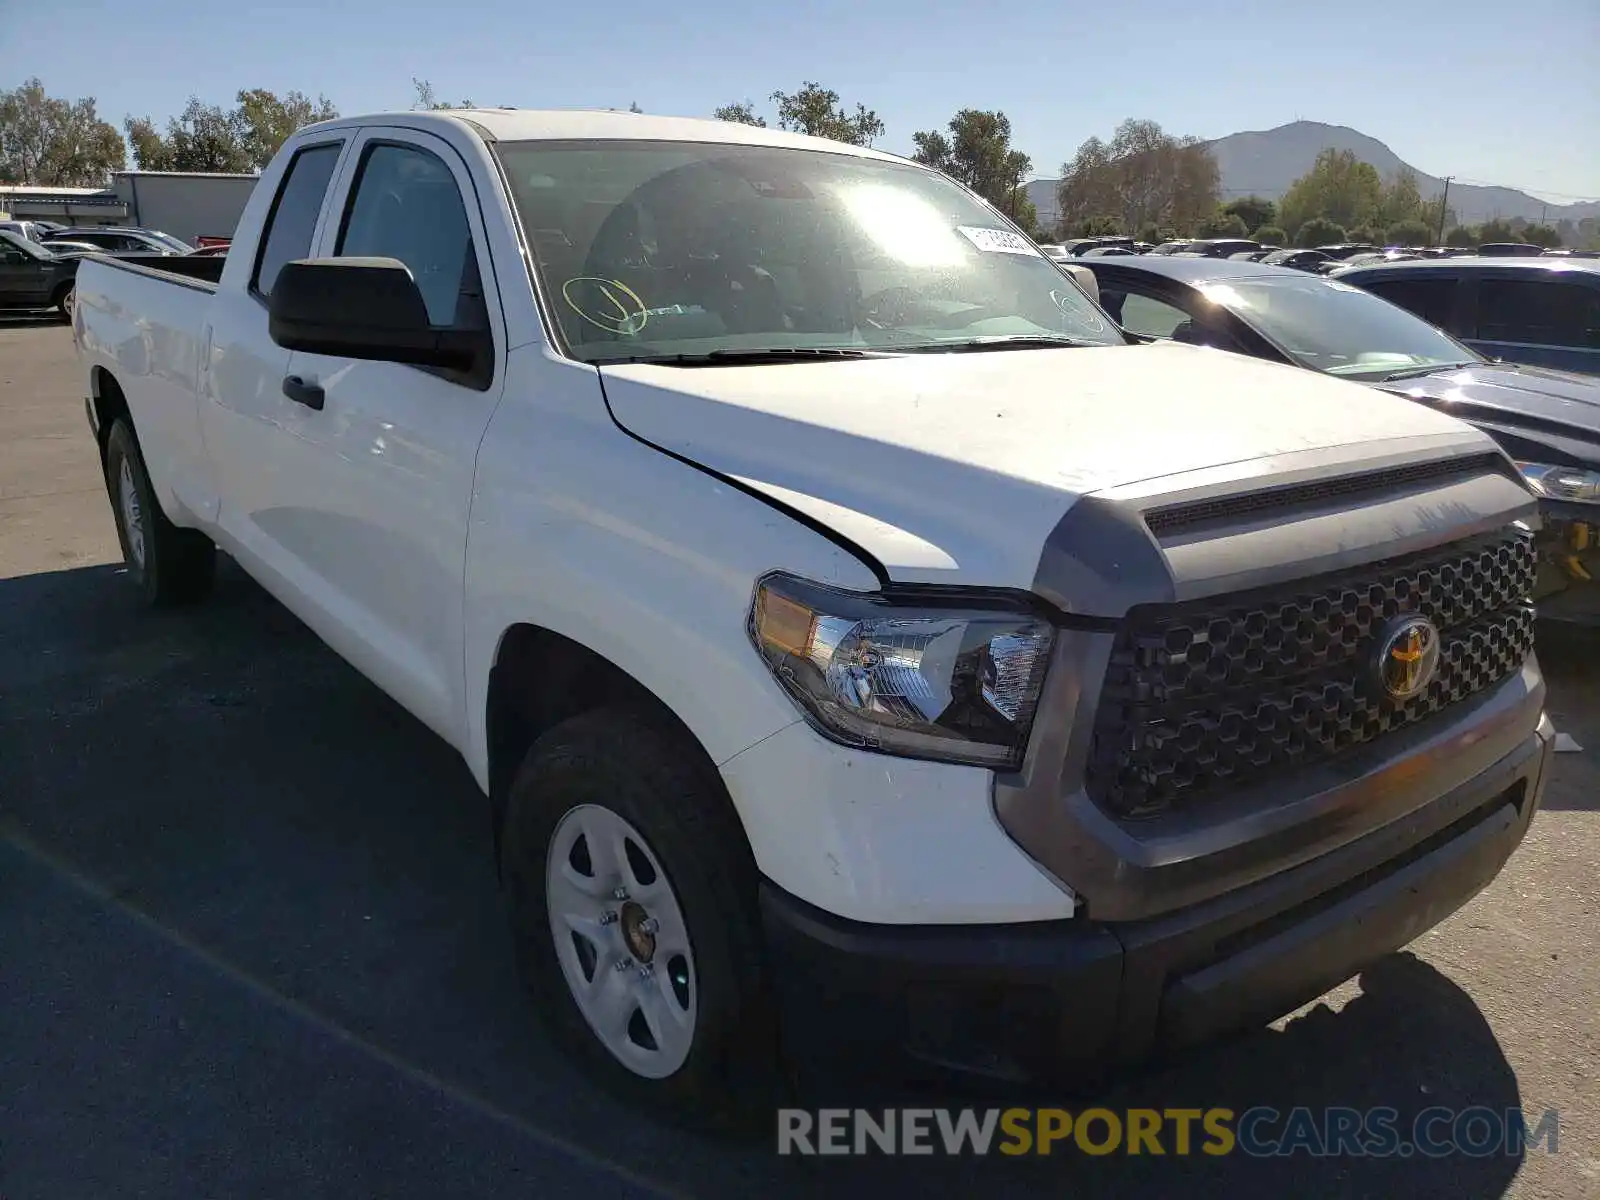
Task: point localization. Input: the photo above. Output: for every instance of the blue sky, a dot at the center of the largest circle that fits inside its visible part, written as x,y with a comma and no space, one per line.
1505,93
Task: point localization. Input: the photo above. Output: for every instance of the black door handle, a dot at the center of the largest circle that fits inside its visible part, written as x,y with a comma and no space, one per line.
301,392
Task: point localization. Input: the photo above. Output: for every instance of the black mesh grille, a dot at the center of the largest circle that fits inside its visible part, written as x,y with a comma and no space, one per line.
1226,691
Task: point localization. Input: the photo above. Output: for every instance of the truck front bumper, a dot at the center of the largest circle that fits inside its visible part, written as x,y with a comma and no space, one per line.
1058,1000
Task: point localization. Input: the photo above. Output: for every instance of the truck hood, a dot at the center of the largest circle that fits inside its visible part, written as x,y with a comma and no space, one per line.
955,468
1526,409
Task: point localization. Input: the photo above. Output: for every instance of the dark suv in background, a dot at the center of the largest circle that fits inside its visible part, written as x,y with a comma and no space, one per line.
1540,311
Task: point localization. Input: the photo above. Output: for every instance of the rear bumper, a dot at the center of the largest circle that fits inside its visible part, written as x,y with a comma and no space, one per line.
1057,999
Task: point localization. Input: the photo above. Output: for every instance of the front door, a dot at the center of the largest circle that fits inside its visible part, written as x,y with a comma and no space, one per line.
383,471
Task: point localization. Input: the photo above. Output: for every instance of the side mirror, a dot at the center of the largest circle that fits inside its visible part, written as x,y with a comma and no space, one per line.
368,308
1084,277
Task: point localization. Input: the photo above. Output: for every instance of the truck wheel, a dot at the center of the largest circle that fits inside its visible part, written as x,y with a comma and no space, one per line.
169,565
63,300
632,897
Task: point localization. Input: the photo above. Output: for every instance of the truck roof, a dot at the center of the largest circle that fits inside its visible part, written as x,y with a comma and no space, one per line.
562,124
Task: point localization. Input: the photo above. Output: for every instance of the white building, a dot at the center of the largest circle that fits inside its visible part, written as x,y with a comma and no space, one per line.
187,204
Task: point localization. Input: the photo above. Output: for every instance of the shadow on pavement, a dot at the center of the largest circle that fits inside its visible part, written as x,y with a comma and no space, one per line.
263,946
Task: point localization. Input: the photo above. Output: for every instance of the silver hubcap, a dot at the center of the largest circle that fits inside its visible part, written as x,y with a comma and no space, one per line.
622,941
132,514
68,300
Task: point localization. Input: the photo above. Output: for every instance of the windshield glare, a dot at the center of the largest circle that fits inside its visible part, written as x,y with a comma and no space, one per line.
1333,327
660,249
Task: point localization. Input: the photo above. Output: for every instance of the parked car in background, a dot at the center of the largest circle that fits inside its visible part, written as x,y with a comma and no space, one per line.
31,230
1547,421
1299,260
1344,250
1510,250
215,251
1541,311
1166,248
33,278
1565,253
121,239
66,249
1221,247
1109,252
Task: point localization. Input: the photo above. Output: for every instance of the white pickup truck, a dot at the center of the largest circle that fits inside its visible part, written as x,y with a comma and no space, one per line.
862,643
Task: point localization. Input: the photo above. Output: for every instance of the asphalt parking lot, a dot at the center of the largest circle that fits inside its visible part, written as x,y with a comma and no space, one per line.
250,942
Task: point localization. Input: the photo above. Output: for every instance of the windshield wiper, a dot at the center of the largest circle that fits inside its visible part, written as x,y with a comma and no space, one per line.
737,358
1430,369
1021,341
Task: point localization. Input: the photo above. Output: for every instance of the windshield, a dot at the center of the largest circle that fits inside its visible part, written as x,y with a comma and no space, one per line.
1333,327
667,249
17,242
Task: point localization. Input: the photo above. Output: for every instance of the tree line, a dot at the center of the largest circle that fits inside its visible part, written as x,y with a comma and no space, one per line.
1143,182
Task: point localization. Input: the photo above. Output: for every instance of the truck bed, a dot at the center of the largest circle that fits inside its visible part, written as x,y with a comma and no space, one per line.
189,269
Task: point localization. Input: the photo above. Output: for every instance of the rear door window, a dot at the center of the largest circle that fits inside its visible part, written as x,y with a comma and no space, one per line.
1433,299
292,222
1542,312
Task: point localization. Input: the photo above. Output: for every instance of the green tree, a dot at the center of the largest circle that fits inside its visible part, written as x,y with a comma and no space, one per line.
427,99
1414,232
1401,200
1254,211
1319,231
1496,231
1365,234
1101,226
978,153
1223,224
48,142
816,110
267,120
743,113
1152,234
1542,235
1271,235
1461,235
1339,188
204,137
1143,176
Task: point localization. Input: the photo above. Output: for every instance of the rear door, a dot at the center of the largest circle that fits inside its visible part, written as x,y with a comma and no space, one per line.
241,377
1545,318
381,475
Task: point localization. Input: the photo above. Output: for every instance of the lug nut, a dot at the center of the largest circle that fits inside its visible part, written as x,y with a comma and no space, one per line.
624,964
646,970
649,925
608,918
620,893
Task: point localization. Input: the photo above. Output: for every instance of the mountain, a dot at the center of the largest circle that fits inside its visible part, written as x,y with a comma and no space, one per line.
1266,162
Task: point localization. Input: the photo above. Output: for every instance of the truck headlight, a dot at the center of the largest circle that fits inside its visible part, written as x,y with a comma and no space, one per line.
957,682
1562,483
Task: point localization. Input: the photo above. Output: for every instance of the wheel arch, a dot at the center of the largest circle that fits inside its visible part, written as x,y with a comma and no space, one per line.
110,404
540,678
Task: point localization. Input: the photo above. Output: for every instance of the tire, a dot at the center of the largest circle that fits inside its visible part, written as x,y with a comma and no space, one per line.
169,565
611,772
63,300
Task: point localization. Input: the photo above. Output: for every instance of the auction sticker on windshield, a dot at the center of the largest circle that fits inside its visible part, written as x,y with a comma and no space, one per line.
997,241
